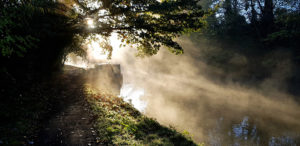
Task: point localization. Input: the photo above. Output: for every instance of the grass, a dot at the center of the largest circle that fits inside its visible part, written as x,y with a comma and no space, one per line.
24,108
118,123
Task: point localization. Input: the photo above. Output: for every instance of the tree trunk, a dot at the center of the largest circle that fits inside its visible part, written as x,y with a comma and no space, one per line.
268,17
253,13
235,7
228,8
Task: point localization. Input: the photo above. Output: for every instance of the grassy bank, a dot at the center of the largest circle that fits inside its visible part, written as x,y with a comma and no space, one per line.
26,108
118,123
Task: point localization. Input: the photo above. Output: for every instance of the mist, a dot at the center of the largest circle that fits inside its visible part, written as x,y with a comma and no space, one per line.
185,92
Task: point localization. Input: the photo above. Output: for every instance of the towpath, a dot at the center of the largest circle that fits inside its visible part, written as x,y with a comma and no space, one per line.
72,122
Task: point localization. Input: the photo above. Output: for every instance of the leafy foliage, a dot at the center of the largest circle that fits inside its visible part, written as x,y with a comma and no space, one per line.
149,24
29,30
288,24
13,39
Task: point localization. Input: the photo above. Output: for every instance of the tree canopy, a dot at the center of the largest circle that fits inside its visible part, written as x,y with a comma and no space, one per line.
149,24
29,29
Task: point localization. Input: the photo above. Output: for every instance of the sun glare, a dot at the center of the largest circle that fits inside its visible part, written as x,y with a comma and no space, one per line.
133,95
77,61
90,22
96,53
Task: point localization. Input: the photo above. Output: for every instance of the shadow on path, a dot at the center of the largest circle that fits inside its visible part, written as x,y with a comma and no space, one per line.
72,123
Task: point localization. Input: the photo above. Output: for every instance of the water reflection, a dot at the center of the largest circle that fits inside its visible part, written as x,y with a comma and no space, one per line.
133,95
246,133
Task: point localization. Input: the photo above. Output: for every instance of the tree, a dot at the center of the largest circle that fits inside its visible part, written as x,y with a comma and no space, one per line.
149,24
35,34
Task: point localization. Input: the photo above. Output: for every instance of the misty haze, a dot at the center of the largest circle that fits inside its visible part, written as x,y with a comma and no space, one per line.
150,72
186,93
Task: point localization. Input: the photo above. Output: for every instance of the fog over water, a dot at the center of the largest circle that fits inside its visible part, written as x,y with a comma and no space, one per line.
184,92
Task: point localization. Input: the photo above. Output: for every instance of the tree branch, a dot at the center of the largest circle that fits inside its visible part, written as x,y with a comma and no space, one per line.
260,6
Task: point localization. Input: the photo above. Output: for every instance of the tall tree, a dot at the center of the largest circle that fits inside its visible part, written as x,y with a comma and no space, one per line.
253,12
268,17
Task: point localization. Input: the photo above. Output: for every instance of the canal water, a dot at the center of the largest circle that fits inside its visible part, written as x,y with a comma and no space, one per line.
185,93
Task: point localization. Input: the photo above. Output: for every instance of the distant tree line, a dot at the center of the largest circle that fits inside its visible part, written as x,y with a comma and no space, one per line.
257,35
274,22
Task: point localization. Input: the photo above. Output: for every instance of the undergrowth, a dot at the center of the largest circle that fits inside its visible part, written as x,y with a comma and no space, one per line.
22,109
26,106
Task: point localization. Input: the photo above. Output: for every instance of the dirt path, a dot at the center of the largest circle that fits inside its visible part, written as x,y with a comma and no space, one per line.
72,124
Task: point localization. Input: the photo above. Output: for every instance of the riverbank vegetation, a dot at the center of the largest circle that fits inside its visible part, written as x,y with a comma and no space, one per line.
119,123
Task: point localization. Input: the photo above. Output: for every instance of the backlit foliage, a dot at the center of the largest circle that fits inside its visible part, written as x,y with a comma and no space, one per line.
149,24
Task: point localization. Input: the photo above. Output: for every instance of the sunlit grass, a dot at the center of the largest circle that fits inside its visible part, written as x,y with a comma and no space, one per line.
118,123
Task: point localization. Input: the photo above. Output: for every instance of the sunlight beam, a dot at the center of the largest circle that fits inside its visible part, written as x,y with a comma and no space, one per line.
90,22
